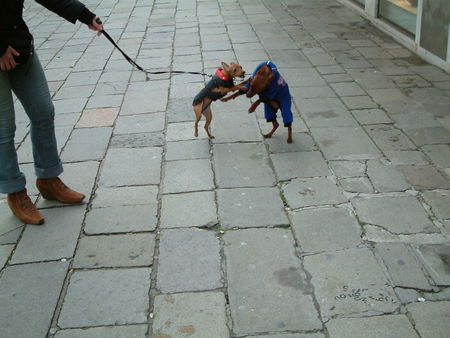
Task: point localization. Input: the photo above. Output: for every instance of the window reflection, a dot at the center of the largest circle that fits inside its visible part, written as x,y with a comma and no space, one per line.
402,13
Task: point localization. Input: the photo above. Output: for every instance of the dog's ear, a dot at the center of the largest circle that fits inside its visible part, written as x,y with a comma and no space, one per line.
225,66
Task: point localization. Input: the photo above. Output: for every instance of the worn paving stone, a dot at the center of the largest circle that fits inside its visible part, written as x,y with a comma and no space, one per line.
359,102
389,138
430,318
439,154
345,143
54,240
200,314
131,167
10,226
104,117
356,184
25,312
187,150
121,219
344,169
397,214
187,176
132,331
115,251
5,252
301,164
431,135
106,297
385,177
180,110
439,202
251,207
183,131
344,288
291,335
372,327
435,258
424,177
138,140
285,287
326,229
347,89
86,144
142,123
189,260
325,112
300,142
402,266
125,196
145,97
312,192
371,116
196,209
242,165
405,157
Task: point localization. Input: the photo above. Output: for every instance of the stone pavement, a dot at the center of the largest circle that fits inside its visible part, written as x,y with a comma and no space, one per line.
344,233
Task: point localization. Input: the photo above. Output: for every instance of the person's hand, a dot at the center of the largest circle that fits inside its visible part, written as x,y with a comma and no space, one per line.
7,61
95,26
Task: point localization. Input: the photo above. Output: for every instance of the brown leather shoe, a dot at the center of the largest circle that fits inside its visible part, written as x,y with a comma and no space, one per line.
55,189
22,207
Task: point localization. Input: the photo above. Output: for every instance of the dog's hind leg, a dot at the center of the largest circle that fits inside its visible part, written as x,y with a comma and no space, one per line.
275,126
198,115
208,114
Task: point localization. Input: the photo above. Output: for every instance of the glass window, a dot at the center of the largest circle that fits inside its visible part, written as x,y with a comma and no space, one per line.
402,13
361,2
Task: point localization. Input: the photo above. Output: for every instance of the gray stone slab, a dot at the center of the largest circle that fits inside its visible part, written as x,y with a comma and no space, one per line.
435,258
325,112
312,192
345,143
130,250
143,123
113,197
55,240
286,291
182,131
242,165
137,140
145,97
69,105
439,202
187,176
120,219
189,260
106,297
180,110
300,164
196,209
431,135
396,214
187,150
326,229
371,116
389,138
359,102
424,177
10,226
300,142
347,89
439,154
134,331
291,335
25,311
5,252
372,327
344,169
86,144
385,177
406,157
200,314
344,288
132,166
403,268
251,207
356,184
430,318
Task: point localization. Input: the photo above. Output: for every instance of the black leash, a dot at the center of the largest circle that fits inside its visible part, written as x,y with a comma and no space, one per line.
133,63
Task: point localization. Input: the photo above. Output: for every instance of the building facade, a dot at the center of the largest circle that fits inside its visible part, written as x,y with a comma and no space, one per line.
420,25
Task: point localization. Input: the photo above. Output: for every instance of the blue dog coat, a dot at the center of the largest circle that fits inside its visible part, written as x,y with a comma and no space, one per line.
278,90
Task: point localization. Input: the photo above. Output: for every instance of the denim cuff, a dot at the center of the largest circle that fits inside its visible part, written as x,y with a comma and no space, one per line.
52,172
14,185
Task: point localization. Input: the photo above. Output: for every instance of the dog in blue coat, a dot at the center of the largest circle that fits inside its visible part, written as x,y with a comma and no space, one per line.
273,91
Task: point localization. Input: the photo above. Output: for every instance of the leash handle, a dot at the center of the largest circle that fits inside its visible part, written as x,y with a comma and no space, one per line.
133,63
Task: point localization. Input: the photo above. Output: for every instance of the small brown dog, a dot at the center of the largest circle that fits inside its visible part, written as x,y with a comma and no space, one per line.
273,91
220,85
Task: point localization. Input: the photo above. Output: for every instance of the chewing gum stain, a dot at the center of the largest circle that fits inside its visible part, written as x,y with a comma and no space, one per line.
169,299
187,329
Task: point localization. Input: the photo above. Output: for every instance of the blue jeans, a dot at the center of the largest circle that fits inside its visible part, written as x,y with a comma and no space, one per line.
30,86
